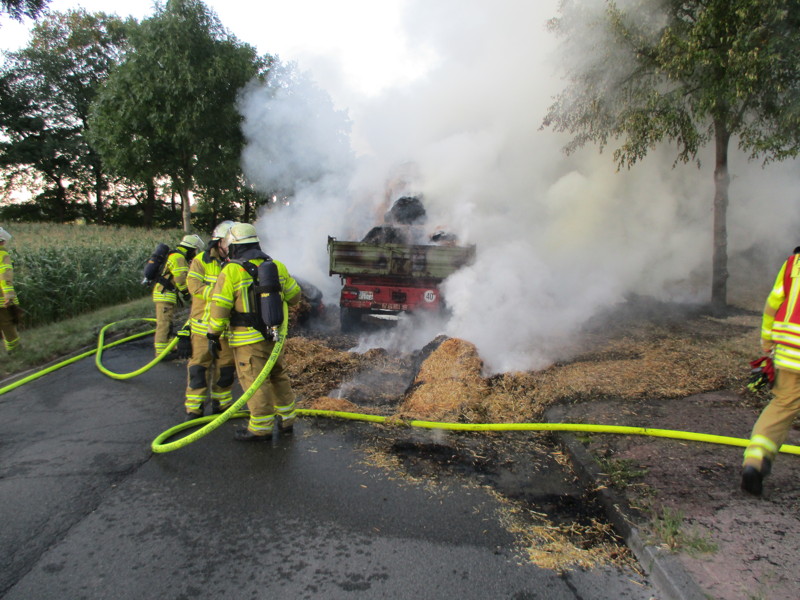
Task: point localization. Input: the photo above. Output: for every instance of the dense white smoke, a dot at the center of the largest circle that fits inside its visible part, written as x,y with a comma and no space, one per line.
559,238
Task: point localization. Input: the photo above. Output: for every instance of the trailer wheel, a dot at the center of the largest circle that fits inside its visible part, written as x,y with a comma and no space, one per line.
349,319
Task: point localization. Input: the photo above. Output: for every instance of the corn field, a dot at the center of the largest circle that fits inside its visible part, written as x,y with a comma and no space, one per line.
64,270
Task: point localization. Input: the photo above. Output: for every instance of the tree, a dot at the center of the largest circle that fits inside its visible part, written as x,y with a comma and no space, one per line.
691,72
18,9
169,110
49,87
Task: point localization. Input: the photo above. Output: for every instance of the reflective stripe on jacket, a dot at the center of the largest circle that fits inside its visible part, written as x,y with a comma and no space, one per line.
200,280
230,293
784,328
7,279
175,270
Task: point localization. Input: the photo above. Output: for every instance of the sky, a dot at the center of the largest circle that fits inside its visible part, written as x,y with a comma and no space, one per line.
446,99
358,47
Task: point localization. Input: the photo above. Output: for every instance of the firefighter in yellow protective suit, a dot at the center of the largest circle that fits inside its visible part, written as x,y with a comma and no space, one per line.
203,273
235,308
780,332
9,303
170,283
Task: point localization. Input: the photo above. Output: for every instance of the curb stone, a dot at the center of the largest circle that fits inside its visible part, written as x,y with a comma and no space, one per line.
663,568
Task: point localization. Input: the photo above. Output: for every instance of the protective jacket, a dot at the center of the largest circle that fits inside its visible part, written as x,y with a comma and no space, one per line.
231,295
784,327
7,279
175,272
200,280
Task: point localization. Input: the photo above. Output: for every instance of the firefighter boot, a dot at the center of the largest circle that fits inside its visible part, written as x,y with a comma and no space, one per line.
284,428
190,416
753,479
243,434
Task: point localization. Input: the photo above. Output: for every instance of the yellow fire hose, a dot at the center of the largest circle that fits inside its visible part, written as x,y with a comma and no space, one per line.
214,421
99,353
69,361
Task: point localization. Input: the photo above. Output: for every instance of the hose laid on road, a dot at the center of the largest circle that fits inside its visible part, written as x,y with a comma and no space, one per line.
69,361
574,427
98,359
214,421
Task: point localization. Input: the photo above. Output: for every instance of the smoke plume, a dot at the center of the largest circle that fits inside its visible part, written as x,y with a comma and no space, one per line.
559,238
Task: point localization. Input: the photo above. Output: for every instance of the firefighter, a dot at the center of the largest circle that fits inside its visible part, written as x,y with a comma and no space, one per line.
170,283
200,281
9,303
233,307
780,333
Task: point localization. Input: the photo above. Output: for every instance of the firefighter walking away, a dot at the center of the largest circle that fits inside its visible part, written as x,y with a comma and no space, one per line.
780,334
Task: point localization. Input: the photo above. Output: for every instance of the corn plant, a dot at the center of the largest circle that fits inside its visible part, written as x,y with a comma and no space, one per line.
61,271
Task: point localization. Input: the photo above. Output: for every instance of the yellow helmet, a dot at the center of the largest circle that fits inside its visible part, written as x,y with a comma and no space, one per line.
241,233
193,241
221,229
4,235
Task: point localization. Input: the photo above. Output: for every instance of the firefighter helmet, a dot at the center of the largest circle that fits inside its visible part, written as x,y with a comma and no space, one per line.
193,241
4,235
221,229
242,233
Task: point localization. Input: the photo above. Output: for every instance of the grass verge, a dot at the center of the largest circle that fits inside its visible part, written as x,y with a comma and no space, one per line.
41,345
668,528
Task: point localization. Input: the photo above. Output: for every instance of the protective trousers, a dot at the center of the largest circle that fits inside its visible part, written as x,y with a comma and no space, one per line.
8,329
164,312
274,396
197,372
773,424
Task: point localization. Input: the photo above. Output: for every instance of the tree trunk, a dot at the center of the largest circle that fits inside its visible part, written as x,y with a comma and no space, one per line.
719,261
100,204
99,188
59,199
246,215
185,210
150,204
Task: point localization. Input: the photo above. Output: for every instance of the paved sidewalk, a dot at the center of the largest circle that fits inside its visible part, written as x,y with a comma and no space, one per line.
755,552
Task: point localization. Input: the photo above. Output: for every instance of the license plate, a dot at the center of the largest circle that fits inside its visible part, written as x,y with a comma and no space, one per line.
362,295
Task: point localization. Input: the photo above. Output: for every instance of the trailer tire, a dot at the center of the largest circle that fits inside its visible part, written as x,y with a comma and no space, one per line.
349,319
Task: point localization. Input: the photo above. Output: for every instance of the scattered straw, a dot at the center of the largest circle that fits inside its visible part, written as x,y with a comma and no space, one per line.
447,380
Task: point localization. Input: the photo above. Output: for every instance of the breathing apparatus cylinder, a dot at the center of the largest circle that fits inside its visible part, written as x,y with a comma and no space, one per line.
269,294
154,264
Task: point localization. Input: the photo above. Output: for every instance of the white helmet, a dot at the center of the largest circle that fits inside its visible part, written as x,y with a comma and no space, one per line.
221,229
241,233
4,235
193,241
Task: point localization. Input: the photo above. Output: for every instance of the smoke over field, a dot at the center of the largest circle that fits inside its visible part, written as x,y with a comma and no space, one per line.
559,238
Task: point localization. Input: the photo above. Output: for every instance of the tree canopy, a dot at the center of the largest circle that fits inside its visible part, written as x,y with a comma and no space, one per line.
48,88
18,9
692,72
169,109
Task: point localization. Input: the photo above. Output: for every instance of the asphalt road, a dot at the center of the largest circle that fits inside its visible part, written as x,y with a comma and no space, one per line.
87,510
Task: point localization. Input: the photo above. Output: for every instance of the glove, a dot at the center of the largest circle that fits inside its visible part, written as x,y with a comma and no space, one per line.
214,345
187,296
184,347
